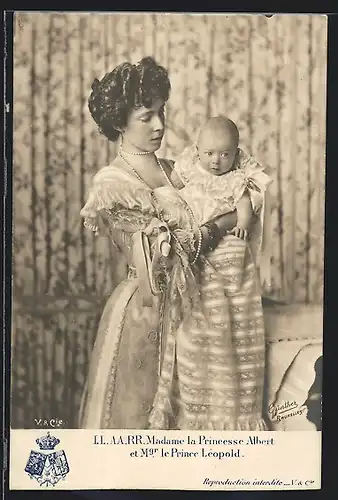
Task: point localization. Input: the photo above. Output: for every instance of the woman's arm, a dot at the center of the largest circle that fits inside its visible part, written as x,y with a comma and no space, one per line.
223,223
226,222
120,247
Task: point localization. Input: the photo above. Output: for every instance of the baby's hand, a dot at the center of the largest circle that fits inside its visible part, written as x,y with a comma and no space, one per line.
239,232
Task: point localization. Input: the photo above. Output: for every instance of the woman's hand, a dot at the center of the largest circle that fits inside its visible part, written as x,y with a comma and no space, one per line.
239,232
226,222
223,223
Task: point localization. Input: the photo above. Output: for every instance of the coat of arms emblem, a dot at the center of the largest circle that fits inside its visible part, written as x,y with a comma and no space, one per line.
47,466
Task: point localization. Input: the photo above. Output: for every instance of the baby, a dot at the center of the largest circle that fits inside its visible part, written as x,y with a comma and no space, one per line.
225,334
209,177
215,177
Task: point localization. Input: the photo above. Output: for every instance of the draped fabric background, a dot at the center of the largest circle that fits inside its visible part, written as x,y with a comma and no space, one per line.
267,74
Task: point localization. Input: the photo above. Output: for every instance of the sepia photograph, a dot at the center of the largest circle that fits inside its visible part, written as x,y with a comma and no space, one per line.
168,221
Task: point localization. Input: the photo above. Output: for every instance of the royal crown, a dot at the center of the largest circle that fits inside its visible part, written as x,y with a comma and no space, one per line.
47,442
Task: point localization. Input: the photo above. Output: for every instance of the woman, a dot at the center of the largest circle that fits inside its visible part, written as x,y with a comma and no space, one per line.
137,373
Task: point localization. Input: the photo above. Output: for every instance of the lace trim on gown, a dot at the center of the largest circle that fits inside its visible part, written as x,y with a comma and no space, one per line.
115,190
247,174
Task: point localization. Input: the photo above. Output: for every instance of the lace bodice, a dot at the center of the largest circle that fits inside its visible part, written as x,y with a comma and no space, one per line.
119,204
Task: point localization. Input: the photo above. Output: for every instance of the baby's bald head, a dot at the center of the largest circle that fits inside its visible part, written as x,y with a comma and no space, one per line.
221,125
217,145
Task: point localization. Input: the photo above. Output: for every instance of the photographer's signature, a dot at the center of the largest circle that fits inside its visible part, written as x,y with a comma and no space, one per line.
286,410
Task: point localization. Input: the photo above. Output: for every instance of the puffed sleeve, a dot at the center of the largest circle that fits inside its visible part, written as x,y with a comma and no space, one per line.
116,209
251,177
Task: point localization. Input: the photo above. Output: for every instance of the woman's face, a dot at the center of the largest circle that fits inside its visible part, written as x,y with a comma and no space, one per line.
145,128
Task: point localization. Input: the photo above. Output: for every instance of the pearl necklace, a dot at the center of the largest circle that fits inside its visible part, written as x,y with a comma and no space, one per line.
138,175
200,236
141,153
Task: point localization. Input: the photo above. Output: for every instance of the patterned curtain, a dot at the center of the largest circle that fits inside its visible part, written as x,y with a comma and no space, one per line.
267,74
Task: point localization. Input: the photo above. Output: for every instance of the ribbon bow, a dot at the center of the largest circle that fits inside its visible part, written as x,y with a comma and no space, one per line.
257,179
147,265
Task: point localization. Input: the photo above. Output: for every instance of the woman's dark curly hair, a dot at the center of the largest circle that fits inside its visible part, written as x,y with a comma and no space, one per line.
128,86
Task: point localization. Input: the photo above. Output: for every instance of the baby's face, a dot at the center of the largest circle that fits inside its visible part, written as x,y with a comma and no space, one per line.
217,151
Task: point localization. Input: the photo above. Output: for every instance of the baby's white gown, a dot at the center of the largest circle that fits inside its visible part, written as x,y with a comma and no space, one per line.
210,196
